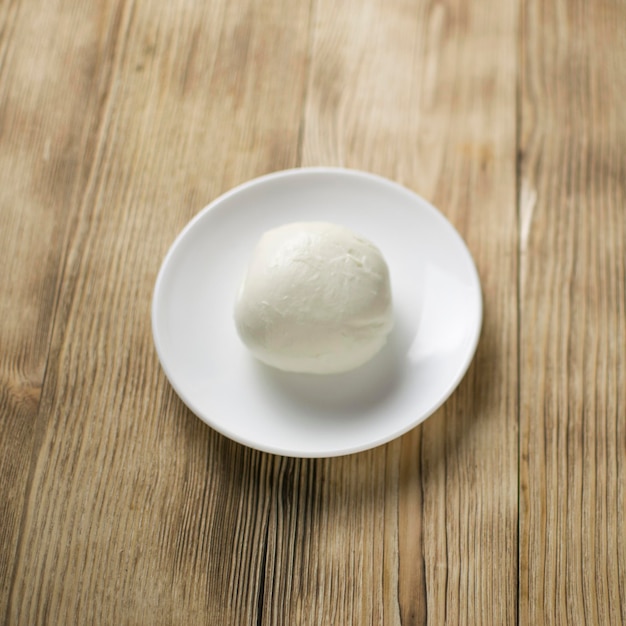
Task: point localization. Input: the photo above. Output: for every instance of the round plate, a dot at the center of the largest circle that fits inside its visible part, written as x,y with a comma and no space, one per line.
437,304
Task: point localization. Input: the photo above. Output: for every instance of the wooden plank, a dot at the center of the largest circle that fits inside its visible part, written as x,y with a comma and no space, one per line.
138,513
426,527
52,92
573,324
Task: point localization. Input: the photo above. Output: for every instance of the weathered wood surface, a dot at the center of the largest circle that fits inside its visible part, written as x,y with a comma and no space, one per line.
573,322
119,120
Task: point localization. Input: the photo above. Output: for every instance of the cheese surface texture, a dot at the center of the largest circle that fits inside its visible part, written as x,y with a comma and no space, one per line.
316,298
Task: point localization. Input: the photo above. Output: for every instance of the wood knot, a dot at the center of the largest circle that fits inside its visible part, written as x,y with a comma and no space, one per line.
23,395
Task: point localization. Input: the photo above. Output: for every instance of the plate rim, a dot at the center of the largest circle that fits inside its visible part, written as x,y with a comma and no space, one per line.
306,171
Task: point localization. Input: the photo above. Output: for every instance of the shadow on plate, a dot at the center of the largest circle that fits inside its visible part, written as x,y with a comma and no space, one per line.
351,392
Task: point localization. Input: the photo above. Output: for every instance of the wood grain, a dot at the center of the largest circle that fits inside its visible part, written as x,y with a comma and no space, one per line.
48,132
573,322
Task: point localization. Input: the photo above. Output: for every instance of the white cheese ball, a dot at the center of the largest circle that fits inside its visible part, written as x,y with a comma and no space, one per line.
316,298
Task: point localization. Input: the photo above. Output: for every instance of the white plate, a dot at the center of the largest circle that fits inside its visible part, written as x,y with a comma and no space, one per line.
437,302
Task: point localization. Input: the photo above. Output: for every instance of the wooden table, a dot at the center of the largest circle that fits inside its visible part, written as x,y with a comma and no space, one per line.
120,120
